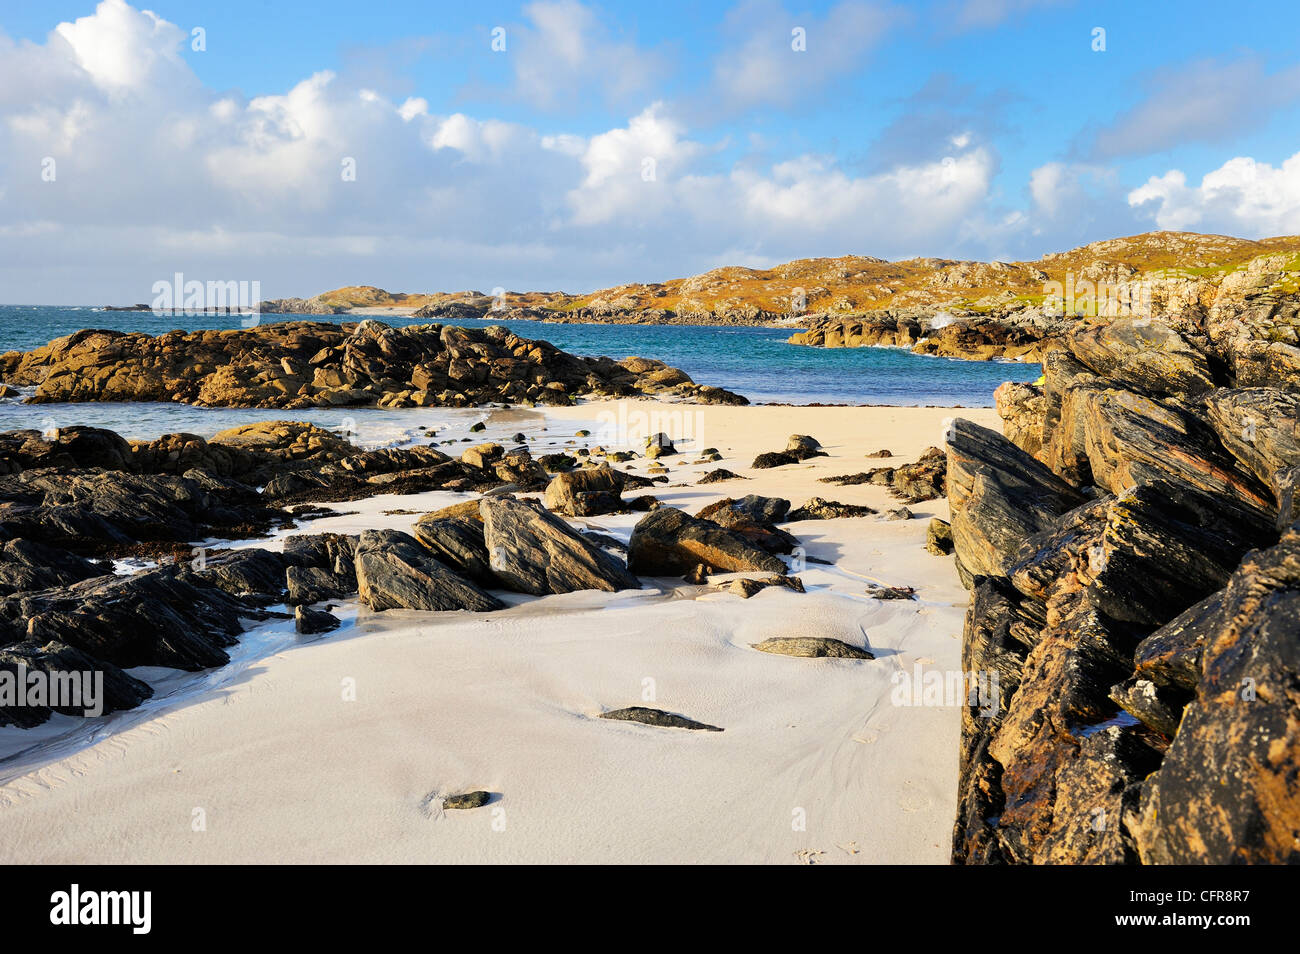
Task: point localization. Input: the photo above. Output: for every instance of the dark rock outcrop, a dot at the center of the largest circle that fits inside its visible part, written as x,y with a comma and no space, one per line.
1130,594
395,572
1226,791
100,688
168,616
533,551
670,542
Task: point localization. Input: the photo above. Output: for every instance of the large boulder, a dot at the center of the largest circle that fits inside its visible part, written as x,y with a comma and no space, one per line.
103,688
999,495
670,542
586,493
754,518
1259,427
1145,355
533,551
394,571
1131,439
458,542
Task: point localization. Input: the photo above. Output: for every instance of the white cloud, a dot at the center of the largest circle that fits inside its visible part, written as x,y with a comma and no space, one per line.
1241,197
158,174
414,106
123,48
628,170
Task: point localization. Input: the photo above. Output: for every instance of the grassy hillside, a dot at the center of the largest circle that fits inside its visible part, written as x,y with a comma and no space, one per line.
858,283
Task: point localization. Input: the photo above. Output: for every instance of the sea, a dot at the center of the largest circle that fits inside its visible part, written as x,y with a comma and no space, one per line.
755,362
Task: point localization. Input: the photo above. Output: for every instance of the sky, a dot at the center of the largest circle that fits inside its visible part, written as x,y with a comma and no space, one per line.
563,145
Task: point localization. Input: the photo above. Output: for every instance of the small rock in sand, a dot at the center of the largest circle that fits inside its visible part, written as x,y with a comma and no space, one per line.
466,801
938,537
818,508
802,442
773,459
875,591
657,717
309,621
748,587
699,576
714,476
812,647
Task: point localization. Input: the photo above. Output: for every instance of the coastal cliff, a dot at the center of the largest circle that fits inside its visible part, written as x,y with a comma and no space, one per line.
1132,552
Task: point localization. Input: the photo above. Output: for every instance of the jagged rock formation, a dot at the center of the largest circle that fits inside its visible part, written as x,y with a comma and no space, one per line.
297,364
1135,586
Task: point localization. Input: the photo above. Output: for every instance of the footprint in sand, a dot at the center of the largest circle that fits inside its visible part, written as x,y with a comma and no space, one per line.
869,734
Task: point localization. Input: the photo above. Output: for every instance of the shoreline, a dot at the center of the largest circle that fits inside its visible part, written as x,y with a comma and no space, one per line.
507,702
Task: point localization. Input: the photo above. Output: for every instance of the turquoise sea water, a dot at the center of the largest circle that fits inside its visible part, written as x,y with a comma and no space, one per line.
755,362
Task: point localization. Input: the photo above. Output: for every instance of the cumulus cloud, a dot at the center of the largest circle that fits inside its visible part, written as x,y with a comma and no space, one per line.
1241,197
156,174
124,49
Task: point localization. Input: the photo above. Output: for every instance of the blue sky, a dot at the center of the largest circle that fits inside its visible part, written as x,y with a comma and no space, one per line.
958,128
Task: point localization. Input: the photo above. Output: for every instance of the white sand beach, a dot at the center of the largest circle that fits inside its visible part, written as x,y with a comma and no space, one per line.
277,762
